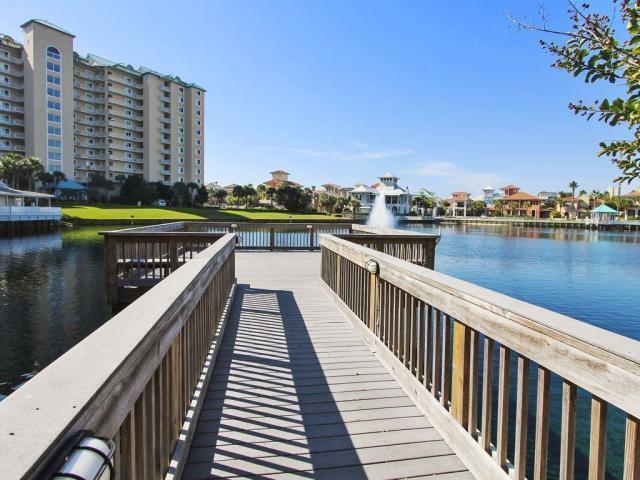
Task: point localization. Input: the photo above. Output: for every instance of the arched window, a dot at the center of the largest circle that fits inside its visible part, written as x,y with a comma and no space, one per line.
53,52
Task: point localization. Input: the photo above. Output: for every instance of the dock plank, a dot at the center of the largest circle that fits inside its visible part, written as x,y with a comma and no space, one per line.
296,393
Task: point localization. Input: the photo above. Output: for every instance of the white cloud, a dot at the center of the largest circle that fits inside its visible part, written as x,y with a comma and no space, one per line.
368,154
459,177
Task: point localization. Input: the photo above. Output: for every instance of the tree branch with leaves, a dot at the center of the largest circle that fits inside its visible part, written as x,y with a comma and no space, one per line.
596,52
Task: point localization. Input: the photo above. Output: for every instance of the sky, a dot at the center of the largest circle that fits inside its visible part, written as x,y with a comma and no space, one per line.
446,95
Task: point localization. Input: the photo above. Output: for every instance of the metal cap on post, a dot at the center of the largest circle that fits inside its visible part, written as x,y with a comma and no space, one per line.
373,267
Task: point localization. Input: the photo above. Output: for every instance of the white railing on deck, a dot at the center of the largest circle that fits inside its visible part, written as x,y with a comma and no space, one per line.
29,213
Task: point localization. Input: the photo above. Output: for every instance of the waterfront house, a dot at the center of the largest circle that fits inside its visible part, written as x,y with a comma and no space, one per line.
521,204
459,203
365,195
397,199
547,196
280,178
229,189
602,215
20,205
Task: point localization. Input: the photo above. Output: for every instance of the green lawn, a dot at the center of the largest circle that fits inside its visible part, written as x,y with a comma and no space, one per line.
111,212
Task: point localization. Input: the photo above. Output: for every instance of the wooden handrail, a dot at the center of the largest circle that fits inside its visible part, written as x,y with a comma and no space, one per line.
431,326
131,380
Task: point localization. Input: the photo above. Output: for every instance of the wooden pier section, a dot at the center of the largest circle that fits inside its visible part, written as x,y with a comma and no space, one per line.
351,362
297,393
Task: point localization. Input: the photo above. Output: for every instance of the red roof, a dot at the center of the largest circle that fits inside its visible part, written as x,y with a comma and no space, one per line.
521,196
279,171
508,187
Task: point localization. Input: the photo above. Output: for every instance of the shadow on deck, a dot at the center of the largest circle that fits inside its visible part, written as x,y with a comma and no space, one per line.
296,393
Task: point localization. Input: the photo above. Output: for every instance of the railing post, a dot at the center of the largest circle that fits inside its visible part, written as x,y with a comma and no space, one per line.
272,239
173,255
311,235
374,270
460,386
110,270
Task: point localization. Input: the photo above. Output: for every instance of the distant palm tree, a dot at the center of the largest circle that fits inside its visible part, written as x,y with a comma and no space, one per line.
355,206
573,185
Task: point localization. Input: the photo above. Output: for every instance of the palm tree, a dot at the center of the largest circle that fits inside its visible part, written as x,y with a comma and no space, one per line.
499,205
573,185
355,206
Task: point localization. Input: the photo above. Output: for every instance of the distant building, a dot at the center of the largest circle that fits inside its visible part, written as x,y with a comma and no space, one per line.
459,204
614,191
521,204
397,199
489,195
510,190
548,196
280,178
229,188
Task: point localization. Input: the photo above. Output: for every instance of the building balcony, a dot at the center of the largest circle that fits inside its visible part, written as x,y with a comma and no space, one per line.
96,123
84,133
11,108
12,59
86,111
165,130
14,85
98,145
97,158
122,136
165,110
165,98
165,151
19,135
13,72
11,148
122,103
166,89
126,127
15,122
90,76
166,141
165,162
12,97
122,114
164,172
122,81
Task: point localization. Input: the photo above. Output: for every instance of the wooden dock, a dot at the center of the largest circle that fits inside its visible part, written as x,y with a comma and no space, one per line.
353,362
296,392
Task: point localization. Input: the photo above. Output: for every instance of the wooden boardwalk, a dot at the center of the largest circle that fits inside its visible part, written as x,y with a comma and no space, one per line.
296,393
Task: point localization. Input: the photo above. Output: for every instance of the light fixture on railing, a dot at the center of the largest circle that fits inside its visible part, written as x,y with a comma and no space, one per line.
309,227
372,267
84,457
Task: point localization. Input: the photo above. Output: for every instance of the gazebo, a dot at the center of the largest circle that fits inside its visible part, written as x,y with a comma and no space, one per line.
20,205
603,214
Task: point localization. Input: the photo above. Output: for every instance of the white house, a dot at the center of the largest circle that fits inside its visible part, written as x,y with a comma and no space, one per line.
397,199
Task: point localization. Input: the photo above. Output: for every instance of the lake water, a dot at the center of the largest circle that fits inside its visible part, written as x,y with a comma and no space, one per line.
52,292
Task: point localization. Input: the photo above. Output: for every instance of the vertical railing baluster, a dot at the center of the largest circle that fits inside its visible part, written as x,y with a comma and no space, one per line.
522,415
568,431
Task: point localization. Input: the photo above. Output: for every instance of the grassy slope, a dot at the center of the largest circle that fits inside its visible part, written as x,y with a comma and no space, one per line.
124,213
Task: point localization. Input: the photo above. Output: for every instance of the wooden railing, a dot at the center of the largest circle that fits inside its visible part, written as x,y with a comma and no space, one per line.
273,236
461,350
132,380
136,259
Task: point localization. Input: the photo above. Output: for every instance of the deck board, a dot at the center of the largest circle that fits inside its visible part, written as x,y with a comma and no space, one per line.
296,393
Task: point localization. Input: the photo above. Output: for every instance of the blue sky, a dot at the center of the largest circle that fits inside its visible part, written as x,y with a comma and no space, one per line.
444,94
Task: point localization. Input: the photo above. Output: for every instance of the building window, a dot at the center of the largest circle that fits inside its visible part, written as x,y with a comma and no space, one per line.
57,156
180,110
198,92
198,151
129,156
54,67
198,103
180,169
181,120
198,171
52,117
197,142
198,112
180,139
53,92
181,160
53,79
54,143
127,134
54,130
180,130
53,105
180,149
198,122
181,89
198,132
181,99
128,145
52,52
198,161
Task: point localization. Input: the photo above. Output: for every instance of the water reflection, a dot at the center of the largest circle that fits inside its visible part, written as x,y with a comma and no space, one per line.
51,297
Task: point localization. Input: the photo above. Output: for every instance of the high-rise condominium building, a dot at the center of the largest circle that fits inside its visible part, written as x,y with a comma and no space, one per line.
86,115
